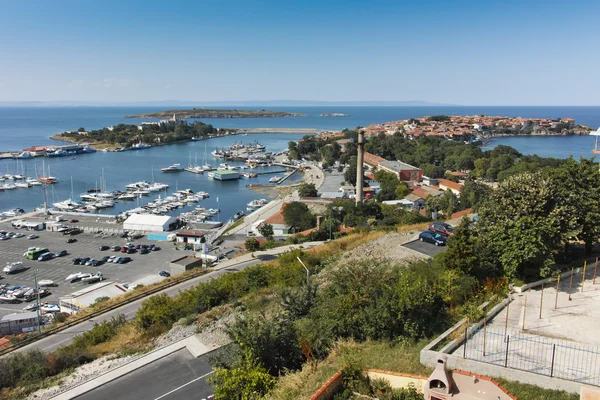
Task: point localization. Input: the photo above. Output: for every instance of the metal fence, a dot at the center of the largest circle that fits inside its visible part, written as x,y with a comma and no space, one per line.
514,349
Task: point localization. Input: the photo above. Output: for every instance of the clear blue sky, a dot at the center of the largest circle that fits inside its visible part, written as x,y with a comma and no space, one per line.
461,52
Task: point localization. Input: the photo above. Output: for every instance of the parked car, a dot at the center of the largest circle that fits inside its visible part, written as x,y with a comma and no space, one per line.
124,260
32,236
116,248
19,235
74,221
442,228
432,237
93,263
124,234
104,247
76,261
155,248
71,240
164,273
144,251
131,250
84,260
116,260
104,259
45,256
61,253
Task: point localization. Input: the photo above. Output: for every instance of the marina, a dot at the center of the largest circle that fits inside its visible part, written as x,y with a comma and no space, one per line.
118,183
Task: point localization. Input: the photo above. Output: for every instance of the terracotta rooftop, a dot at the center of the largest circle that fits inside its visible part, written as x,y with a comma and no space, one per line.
372,159
277,218
450,184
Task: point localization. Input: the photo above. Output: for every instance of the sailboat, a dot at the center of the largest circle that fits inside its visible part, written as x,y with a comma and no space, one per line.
69,204
194,168
47,178
205,166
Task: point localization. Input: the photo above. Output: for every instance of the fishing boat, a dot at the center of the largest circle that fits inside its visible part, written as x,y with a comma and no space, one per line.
172,168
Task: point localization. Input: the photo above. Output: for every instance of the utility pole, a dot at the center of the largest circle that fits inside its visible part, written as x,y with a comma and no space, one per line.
330,221
359,166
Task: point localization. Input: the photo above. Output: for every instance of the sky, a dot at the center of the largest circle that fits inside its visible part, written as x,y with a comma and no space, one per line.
483,52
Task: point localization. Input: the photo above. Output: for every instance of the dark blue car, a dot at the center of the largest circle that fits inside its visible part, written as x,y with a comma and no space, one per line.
432,237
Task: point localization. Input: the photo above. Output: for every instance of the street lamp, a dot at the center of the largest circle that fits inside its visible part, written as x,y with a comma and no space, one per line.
307,271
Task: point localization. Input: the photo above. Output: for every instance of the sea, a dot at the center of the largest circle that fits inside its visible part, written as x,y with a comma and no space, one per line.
22,127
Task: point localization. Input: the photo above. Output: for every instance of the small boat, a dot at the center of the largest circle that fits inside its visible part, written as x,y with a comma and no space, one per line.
8,298
239,215
50,308
172,168
13,267
97,277
24,155
46,283
275,179
76,277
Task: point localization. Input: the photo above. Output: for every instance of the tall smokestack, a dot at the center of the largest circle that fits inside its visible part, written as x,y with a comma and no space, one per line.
359,166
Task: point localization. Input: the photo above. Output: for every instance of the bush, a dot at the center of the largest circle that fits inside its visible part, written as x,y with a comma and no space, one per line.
252,244
159,310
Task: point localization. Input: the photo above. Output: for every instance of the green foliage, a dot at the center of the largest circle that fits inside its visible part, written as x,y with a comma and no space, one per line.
432,171
297,302
352,214
252,244
401,191
439,118
242,383
389,182
460,254
298,216
266,230
473,194
307,190
100,300
158,311
267,342
448,203
350,173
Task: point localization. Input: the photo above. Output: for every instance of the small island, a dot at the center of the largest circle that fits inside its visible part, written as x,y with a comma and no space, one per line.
215,113
334,115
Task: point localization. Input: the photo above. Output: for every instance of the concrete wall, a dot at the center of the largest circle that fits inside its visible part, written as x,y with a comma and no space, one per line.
328,390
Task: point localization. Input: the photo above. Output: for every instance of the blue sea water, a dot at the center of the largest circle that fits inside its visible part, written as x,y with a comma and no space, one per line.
22,127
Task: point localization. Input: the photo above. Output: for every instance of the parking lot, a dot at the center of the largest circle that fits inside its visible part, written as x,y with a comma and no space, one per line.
87,245
424,248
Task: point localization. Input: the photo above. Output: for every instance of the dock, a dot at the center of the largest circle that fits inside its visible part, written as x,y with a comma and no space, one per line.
292,172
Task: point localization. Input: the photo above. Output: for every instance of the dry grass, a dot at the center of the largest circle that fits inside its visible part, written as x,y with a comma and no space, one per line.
128,340
346,243
415,227
382,355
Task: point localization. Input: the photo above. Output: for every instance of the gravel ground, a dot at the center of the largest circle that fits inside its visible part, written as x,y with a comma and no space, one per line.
81,375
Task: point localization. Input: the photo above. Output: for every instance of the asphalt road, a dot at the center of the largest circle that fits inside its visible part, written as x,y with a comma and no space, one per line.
174,377
65,337
424,248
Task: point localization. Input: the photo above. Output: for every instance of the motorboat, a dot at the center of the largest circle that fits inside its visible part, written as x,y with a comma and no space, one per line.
13,267
239,215
21,292
76,277
66,205
97,277
22,184
8,298
46,283
275,179
127,196
195,170
50,308
24,155
172,168
207,167
33,182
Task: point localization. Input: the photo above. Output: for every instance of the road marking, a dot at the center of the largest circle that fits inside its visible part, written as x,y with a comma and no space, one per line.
184,385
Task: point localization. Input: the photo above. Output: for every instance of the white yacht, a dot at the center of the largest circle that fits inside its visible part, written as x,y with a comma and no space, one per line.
172,168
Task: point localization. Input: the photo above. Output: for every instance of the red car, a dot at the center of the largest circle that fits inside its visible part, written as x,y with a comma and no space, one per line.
442,228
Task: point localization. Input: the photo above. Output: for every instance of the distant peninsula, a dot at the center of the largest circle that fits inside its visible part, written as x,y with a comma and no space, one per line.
216,113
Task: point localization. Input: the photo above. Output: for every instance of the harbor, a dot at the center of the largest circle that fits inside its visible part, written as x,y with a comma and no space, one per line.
116,183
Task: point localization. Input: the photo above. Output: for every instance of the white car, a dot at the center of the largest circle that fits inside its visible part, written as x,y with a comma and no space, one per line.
32,236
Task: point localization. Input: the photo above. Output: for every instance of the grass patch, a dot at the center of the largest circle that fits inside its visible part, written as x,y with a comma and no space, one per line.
234,225
531,392
400,357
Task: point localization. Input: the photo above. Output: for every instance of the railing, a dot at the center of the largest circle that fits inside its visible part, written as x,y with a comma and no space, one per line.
555,358
70,323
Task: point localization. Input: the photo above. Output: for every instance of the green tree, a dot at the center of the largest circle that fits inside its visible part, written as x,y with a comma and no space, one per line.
252,244
401,191
298,217
158,311
473,194
307,190
266,230
460,254
389,182
350,173
246,382
433,171
448,203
